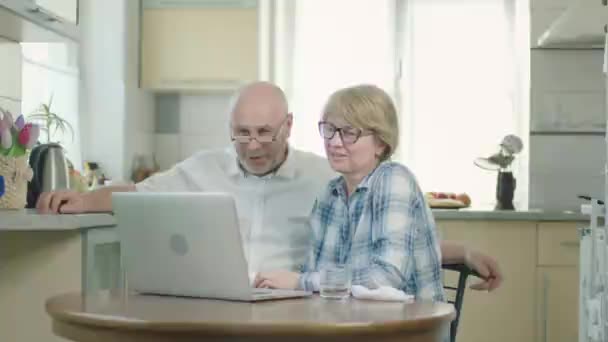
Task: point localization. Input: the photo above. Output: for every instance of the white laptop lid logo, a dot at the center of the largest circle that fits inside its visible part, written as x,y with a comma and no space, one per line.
178,244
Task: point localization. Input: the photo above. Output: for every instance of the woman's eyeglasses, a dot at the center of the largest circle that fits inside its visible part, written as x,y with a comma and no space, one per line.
348,134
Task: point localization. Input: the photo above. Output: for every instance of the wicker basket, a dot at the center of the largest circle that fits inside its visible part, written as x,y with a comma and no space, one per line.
16,173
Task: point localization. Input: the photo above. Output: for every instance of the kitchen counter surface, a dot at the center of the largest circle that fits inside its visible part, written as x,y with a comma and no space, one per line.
29,220
508,215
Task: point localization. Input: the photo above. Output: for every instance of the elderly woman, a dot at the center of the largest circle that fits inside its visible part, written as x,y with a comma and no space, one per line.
373,217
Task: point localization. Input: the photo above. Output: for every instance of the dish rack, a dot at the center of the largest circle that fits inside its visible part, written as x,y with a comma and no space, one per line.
593,296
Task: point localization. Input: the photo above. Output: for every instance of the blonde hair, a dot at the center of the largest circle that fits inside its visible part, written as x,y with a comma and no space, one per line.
367,107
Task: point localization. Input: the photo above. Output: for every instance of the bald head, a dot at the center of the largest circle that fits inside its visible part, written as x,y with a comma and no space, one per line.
260,110
262,98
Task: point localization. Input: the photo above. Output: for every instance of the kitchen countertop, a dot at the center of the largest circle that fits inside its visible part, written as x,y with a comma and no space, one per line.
508,215
29,220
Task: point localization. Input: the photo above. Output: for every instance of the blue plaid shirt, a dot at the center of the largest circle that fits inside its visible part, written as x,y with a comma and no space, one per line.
384,230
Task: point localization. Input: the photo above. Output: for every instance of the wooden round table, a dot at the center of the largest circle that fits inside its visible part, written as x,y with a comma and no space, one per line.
115,316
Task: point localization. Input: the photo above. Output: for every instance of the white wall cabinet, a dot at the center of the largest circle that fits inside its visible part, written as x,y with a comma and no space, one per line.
63,9
39,20
199,45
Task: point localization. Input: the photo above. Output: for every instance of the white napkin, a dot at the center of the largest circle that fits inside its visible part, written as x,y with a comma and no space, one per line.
384,293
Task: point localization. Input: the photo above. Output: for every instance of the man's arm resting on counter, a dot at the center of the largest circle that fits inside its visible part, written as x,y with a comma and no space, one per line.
101,199
72,202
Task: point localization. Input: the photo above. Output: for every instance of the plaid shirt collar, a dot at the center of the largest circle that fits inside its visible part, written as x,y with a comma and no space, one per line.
338,185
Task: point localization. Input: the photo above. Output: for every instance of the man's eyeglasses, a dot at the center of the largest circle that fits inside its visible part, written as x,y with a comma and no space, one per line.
264,135
349,135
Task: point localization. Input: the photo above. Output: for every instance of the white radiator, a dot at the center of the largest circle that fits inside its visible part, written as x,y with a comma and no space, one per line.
593,297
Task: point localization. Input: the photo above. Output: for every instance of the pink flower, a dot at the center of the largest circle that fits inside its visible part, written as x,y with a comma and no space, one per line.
24,134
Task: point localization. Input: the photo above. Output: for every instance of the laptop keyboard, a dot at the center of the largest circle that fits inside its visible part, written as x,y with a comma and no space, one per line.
260,291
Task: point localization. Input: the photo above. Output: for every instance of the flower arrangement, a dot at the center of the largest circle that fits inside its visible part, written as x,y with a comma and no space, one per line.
17,137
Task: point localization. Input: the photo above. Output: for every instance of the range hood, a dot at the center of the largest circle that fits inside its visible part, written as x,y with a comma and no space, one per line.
582,25
23,21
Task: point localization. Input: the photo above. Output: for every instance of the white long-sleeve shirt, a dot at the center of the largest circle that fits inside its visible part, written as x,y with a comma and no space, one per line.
273,210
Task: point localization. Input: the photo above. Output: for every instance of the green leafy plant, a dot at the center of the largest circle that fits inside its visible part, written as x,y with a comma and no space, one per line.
51,121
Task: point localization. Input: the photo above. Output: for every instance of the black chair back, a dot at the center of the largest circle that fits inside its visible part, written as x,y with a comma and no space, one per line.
463,272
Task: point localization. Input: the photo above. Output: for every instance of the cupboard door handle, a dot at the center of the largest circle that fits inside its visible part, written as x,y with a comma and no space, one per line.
569,244
544,307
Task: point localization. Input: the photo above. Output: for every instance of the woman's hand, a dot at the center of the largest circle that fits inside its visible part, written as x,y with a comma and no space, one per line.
277,280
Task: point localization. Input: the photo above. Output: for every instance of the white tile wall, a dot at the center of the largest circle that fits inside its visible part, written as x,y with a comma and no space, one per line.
541,19
205,115
567,93
204,122
569,110
563,167
567,90
167,149
569,70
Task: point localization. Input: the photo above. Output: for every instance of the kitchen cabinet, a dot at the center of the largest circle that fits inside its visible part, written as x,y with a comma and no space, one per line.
508,313
61,9
557,304
558,282
39,20
199,45
35,265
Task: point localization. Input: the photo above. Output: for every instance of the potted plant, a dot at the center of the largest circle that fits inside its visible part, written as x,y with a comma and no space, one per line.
51,121
48,160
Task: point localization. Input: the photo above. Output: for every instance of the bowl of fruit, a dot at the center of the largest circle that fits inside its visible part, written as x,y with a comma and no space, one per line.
447,200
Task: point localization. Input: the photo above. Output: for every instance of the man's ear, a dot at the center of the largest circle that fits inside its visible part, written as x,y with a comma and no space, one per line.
289,123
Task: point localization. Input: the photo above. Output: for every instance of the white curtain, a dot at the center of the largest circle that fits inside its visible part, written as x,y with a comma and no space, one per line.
464,88
336,43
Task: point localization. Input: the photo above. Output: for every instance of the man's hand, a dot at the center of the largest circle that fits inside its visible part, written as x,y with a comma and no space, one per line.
277,280
61,202
487,268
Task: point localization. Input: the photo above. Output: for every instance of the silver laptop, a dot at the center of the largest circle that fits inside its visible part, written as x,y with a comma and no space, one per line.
185,244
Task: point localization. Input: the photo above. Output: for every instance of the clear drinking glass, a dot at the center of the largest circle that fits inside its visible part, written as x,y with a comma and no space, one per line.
335,281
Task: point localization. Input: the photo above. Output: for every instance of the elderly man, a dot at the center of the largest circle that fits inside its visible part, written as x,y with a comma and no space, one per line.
274,186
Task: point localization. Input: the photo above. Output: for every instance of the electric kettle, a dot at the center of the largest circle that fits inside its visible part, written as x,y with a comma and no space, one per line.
50,168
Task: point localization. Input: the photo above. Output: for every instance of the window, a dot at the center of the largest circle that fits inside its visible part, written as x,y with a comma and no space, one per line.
50,71
457,70
335,44
462,94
